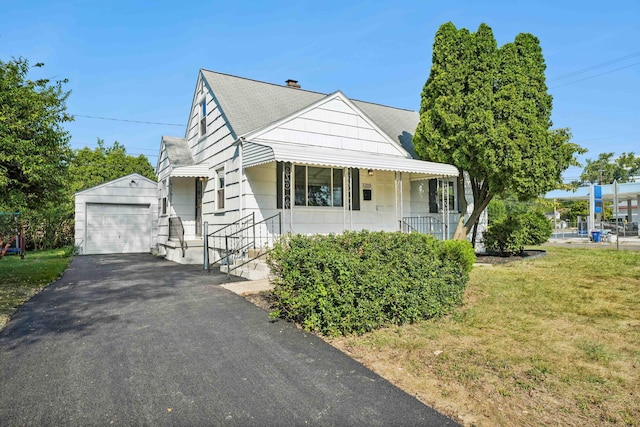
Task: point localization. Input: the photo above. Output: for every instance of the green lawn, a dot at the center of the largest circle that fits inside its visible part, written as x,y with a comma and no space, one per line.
20,279
549,341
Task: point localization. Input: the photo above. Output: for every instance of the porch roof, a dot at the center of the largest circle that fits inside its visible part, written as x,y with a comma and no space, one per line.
255,154
193,171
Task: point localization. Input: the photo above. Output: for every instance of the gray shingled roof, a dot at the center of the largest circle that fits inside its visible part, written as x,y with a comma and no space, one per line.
250,105
178,151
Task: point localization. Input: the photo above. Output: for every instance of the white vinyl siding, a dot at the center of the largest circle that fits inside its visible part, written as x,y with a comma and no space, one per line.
333,124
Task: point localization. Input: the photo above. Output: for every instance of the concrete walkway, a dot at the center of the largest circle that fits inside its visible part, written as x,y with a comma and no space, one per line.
137,340
249,287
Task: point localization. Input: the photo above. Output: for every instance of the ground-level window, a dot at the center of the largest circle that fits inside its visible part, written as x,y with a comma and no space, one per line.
220,189
318,186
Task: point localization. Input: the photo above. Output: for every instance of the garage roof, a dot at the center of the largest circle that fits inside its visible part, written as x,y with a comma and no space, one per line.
131,177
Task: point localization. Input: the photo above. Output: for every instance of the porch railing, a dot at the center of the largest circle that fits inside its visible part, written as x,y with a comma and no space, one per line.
216,239
425,225
235,240
259,236
176,231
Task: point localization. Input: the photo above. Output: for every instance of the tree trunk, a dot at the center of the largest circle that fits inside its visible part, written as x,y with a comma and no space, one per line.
475,233
462,230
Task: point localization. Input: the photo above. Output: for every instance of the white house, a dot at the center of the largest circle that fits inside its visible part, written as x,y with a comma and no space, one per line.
308,162
119,216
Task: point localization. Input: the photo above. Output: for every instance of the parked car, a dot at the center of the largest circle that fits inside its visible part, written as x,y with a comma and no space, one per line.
620,226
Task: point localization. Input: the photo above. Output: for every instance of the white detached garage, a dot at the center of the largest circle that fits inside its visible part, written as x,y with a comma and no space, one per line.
119,216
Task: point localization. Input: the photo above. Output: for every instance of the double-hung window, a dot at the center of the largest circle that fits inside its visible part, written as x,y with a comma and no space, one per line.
220,189
317,186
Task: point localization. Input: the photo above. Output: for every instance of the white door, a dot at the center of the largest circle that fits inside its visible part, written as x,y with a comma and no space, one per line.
117,228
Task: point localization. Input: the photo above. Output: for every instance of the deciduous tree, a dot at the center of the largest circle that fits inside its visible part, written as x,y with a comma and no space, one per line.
486,110
605,169
90,167
34,148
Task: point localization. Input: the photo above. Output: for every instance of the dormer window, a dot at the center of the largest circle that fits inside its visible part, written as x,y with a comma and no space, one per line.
203,118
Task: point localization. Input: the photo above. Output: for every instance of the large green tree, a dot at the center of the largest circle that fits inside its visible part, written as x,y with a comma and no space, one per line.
34,148
486,110
90,167
605,169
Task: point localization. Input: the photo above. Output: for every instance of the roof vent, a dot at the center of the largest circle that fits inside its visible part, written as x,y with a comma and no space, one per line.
292,83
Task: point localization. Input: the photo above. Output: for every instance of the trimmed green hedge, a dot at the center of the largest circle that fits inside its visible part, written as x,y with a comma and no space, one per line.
360,281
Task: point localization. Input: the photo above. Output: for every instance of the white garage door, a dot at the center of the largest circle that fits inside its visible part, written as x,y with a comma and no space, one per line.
117,228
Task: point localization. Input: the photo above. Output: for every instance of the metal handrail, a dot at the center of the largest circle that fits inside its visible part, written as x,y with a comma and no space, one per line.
252,215
251,243
404,225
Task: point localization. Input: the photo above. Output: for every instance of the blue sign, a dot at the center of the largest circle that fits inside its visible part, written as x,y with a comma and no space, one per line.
597,198
597,192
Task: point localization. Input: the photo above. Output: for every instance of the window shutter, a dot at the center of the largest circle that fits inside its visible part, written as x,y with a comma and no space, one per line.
433,196
459,198
355,189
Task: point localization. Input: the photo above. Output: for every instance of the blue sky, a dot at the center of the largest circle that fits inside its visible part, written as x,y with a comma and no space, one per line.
138,61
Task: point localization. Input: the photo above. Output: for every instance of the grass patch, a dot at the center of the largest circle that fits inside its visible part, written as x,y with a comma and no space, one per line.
20,279
553,340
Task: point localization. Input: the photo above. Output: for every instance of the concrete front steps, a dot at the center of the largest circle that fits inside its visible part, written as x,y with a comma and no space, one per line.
172,251
253,270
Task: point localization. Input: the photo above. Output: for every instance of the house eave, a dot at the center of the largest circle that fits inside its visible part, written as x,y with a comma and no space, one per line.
194,171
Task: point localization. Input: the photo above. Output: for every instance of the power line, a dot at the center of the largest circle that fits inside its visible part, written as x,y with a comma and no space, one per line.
597,75
125,120
81,146
595,67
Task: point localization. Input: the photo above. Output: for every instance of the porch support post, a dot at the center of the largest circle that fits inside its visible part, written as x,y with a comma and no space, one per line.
448,214
205,238
241,173
395,187
283,219
401,198
346,199
357,192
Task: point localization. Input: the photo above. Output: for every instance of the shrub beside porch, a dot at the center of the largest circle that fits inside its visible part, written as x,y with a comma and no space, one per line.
359,281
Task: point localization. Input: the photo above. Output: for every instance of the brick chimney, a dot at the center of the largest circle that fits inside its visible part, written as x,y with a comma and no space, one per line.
292,83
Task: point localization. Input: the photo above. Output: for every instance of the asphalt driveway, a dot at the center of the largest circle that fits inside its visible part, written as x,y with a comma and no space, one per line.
137,340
